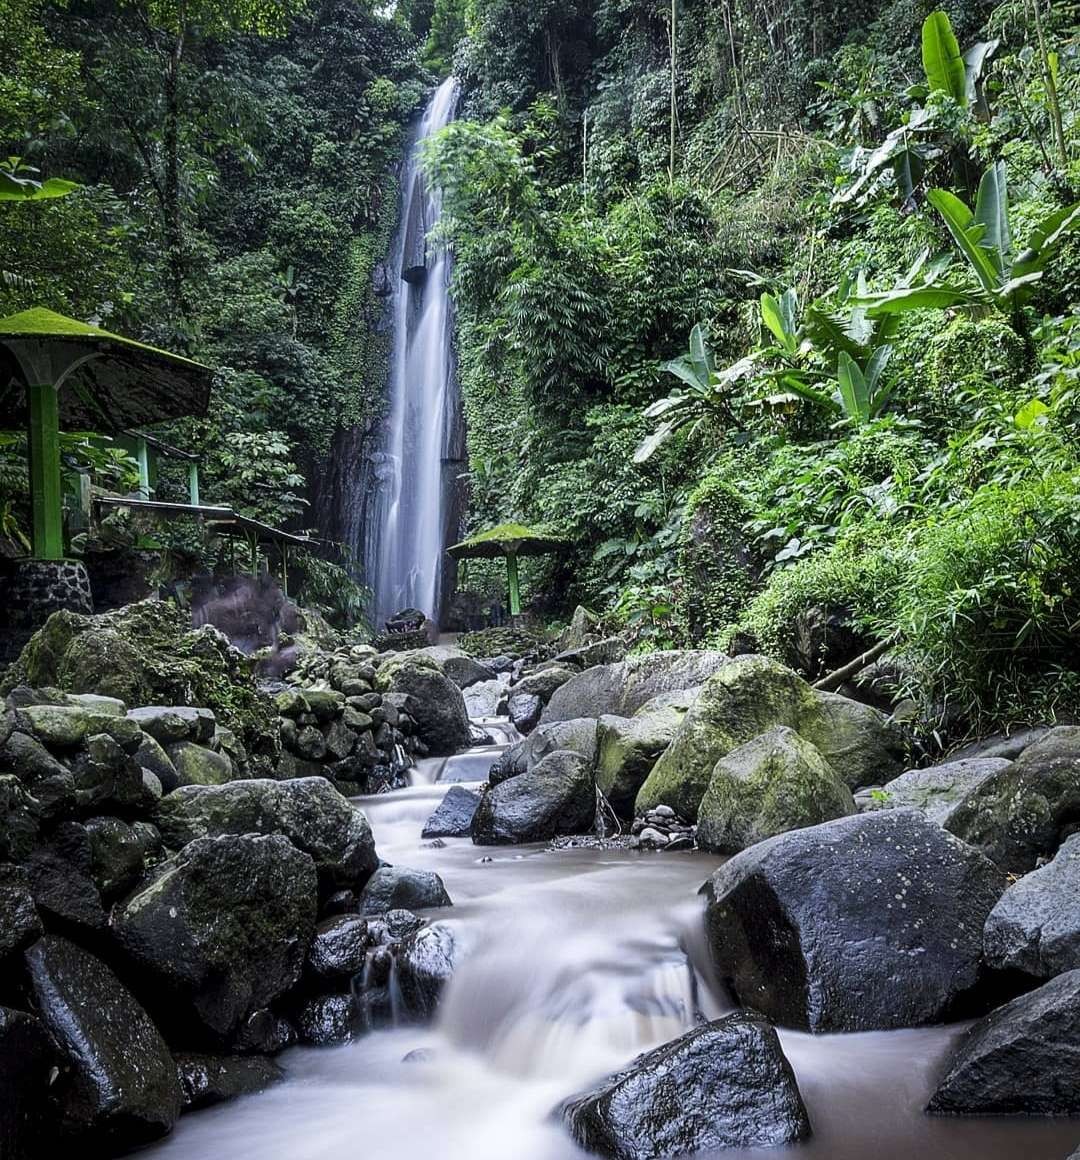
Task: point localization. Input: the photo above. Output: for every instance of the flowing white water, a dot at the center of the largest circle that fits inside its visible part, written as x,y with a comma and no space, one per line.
576,960
405,541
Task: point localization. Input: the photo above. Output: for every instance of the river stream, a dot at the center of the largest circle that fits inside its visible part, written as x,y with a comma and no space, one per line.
577,959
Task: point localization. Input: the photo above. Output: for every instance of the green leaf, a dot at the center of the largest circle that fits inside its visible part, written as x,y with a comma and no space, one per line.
700,357
1032,412
942,62
773,317
854,396
906,298
1045,239
876,365
966,233
682,369
992,212
647,447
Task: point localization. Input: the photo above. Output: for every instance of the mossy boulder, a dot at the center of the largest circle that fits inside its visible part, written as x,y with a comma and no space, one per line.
1024,811
221,930
626,750
749,696
621,689
148,654
308,811
775,783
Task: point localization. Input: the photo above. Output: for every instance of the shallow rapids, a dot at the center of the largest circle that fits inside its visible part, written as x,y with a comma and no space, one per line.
576,961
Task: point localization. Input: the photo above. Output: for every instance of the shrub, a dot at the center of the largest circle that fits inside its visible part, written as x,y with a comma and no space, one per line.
989,606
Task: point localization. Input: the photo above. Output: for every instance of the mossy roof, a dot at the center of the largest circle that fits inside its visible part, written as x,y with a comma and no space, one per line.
505,540
122,384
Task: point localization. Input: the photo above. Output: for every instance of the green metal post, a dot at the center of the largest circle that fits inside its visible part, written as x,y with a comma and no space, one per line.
193,483
142,454
512,582
45,502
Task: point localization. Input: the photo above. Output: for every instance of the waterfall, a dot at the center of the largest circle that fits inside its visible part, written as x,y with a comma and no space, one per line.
415,510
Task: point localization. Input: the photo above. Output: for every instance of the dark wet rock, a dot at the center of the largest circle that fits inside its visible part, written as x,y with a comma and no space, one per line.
1023,812
621,689
399,888
524,711
1008,746
338,950
19,818
940,789
116,856
425,963
865,923
1035,927
213,1079
627,749
151,756
393,926
326,1019
775,783
118,1085
264,1032
579,735
308,811
220,930
454,814
27,1056
19,922
726,1084
1020,1058
48,780
106,777
750,695
61,881
557,796
149,836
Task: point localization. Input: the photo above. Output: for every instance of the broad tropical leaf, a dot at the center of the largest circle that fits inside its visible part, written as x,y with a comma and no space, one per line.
942,62
992,212
967,233
650,443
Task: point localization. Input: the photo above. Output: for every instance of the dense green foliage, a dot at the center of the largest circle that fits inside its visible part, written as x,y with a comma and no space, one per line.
236,187
873,429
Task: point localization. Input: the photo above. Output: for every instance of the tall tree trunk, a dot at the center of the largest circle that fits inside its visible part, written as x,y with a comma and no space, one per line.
174,230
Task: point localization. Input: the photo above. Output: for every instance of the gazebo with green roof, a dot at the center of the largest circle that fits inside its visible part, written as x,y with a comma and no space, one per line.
512,541
79,377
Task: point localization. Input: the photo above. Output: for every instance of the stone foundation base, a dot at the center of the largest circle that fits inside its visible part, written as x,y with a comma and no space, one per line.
32,591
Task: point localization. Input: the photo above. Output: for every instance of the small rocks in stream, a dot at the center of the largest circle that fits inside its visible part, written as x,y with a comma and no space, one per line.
327,1019
661,828
398,887
454,814
726,1084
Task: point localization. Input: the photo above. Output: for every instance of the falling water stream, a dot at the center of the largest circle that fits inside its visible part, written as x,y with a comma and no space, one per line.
575,961
407,532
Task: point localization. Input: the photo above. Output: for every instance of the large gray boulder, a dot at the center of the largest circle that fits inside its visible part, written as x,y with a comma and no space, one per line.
308,811
221,930
1022,812
1019,1059
940,789
775,783
434,702
27,1055
865,923
626,750
1035,927
117,1086
621,689
726,1084
557,796
748,696
19,922
578,735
